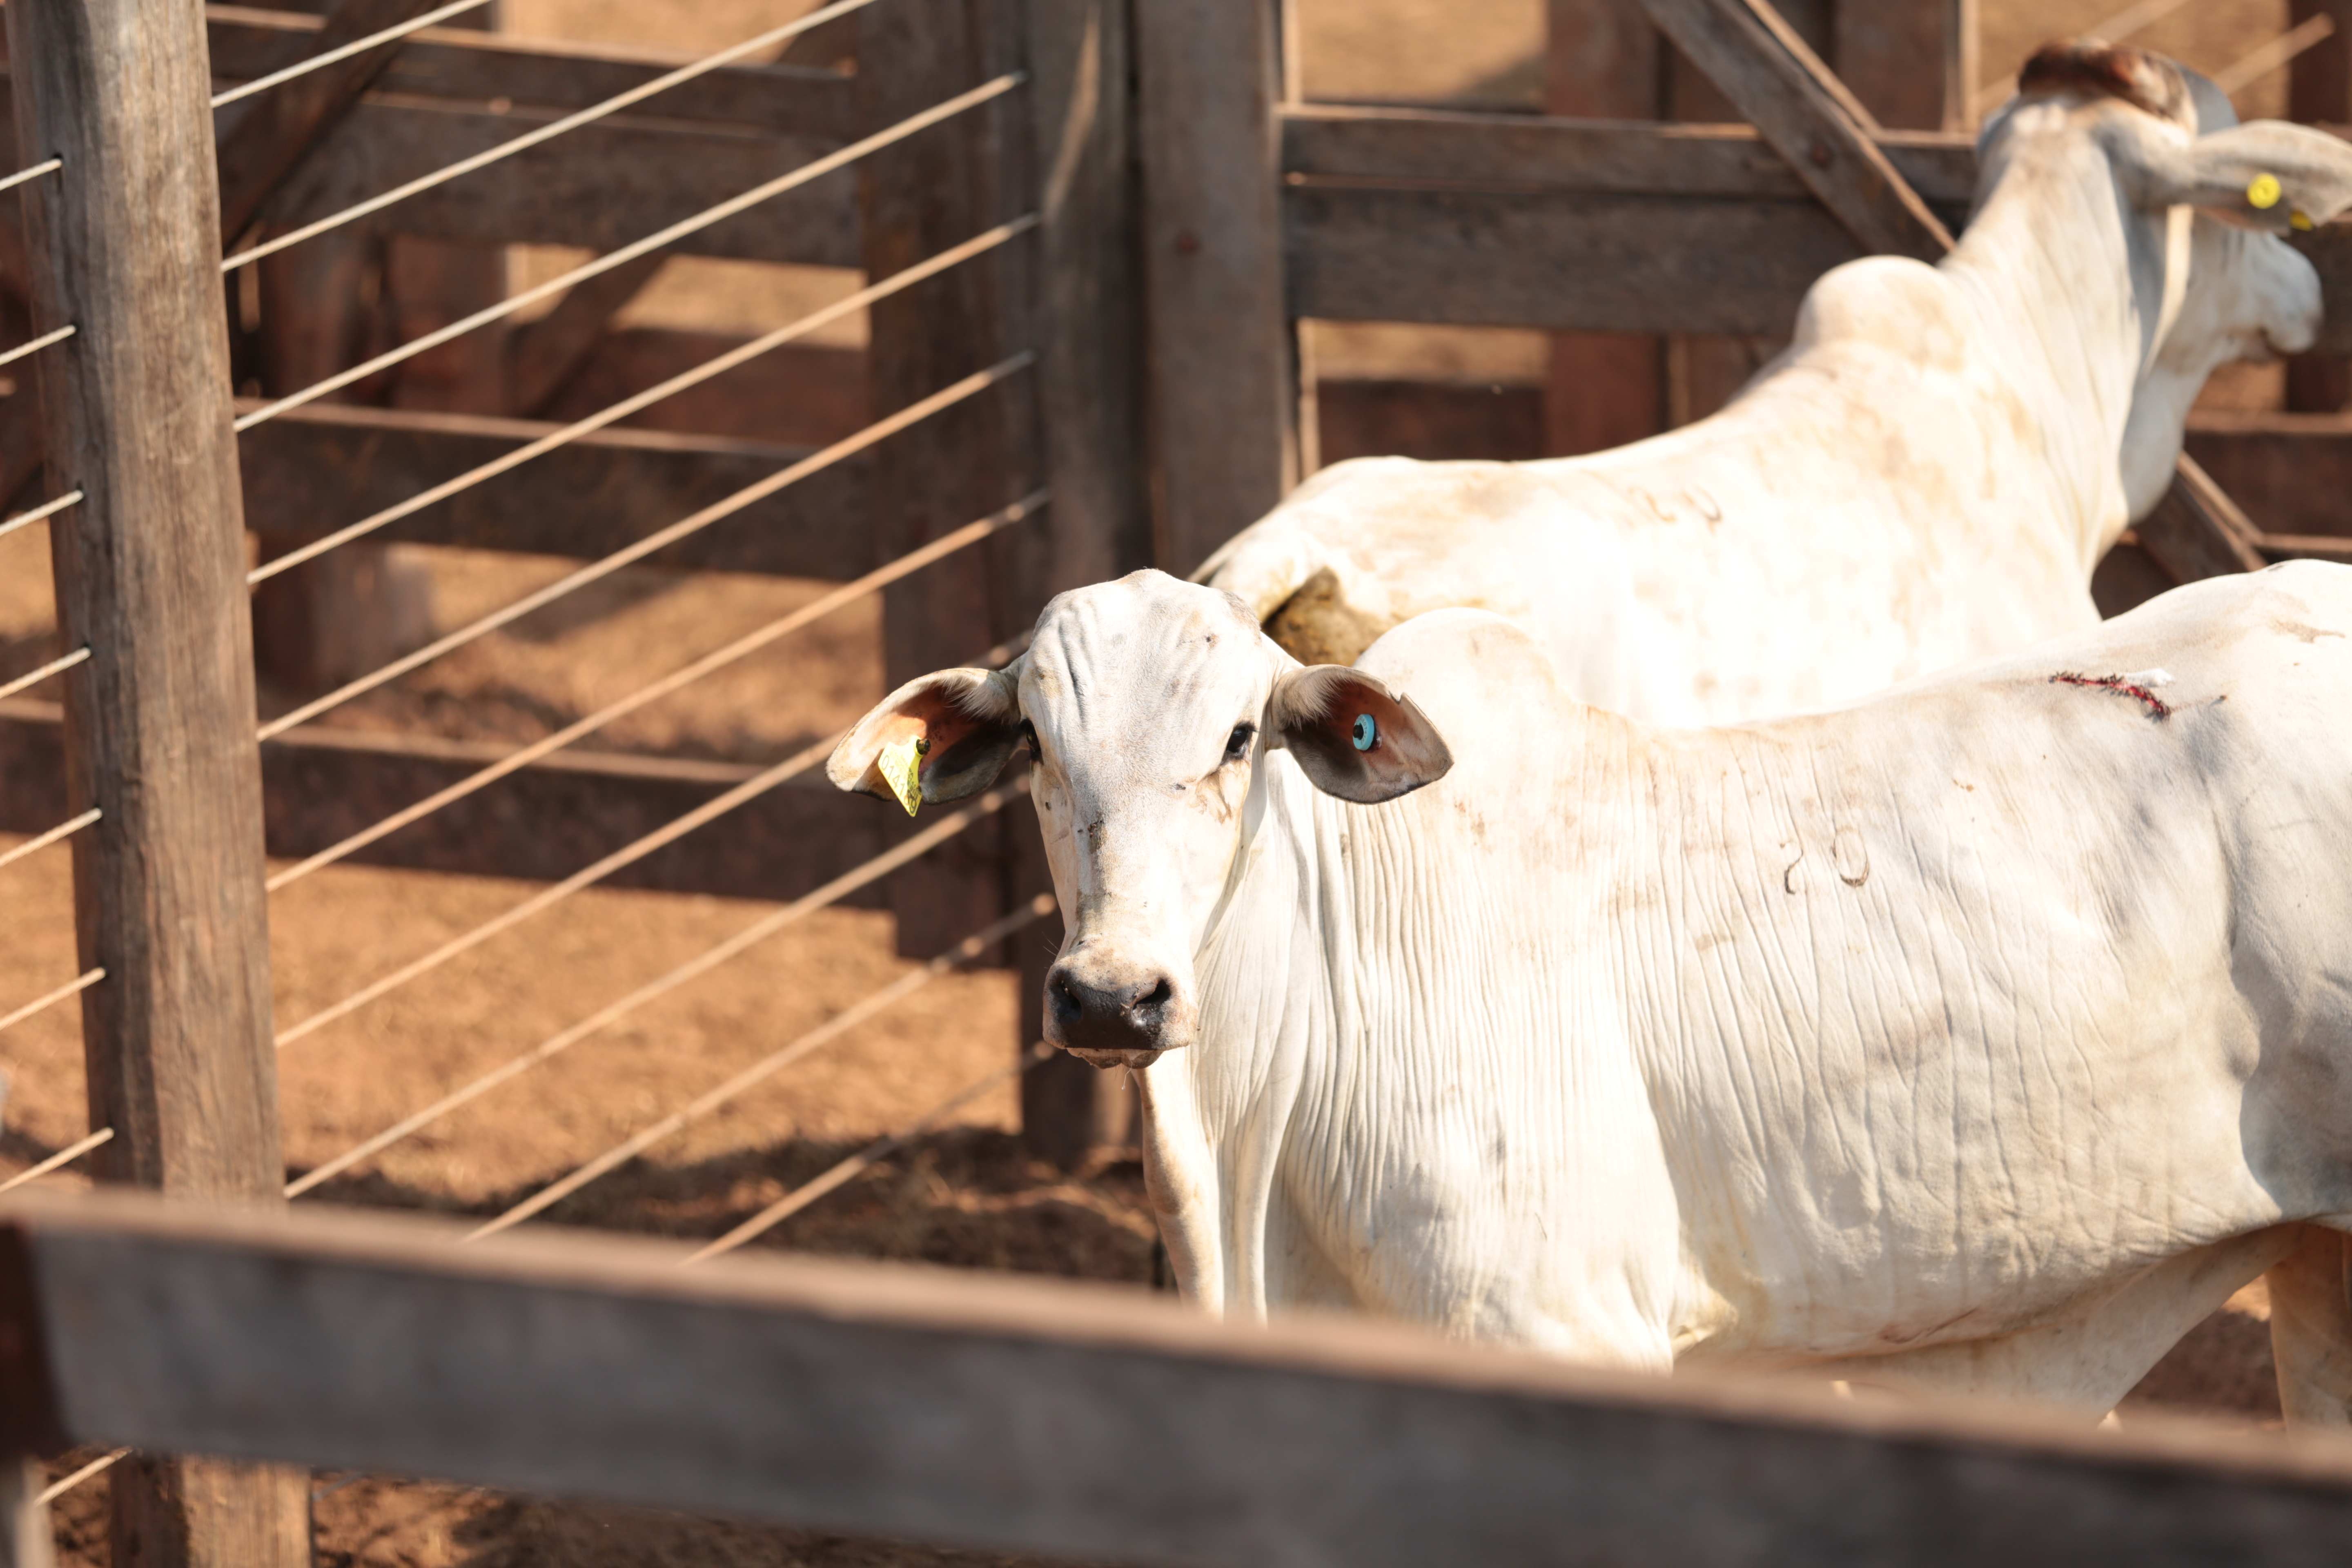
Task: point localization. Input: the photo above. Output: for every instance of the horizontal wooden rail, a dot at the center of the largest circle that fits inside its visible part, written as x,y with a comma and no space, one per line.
320,785
552,73
313,470
1455,219
598,187
1074,1421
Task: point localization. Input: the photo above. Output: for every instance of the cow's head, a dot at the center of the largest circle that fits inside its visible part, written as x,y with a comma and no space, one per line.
2204,201
1147,705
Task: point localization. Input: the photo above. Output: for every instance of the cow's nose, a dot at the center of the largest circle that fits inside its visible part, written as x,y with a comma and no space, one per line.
1095,1012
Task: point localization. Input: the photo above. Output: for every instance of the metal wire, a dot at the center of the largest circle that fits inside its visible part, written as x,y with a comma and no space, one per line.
645,247
2256,64
26,518
547,132
65,1157
628,406
78,984
800,1197
898,991
629,854
58,1489
35,173
711,958
718,659
44,341
36,677
43,840
969,387
357,46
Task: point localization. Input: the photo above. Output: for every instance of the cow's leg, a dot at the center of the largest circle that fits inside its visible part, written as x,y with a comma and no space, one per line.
2310,1329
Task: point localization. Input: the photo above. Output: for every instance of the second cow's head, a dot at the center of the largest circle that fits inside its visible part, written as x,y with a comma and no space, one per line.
1147,707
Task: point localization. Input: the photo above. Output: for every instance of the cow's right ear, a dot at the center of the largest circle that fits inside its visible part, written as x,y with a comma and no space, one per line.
1353,737
946,736
2266,175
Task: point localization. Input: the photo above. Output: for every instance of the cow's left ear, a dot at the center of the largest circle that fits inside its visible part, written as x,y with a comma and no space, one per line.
1355,738
2267,175
941,737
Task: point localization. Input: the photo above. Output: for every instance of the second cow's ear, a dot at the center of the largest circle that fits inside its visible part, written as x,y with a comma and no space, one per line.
1354,737
941,737
2266,175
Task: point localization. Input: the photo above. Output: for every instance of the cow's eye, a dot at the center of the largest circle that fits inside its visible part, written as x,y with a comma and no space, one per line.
1029,734
1237,744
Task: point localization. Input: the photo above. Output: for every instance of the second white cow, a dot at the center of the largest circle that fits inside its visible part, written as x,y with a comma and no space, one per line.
1930,473
1985,1035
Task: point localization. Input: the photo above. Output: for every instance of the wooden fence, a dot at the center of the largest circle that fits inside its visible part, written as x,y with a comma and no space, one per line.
1078,1422
1133,389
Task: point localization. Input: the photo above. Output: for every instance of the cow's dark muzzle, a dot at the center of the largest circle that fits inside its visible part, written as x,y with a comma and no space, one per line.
1110,1022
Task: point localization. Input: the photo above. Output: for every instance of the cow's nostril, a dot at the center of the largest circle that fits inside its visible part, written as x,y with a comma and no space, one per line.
1065,1002
1157,998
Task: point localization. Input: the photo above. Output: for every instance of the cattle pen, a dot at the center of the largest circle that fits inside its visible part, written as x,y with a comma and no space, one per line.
1088,236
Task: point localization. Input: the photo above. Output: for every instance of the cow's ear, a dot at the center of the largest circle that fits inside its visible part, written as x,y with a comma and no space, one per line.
1355,738
939,737
2267,175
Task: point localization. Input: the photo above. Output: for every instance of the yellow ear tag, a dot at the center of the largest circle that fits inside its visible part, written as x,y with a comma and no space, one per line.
901,765
2262,192
2299,219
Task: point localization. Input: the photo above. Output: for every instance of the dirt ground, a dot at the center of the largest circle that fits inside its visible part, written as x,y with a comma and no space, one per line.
964,1197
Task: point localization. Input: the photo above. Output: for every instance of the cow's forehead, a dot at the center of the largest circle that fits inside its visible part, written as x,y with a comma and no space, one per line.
1145,644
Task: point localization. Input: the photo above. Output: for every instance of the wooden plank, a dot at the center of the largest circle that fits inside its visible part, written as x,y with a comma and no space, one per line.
1090,381
1078,1422
552,73
1804,112
320,468
149,575
320,785
917,198
2319,92
2291,472
1604,61
1555,259
276,129
2196,531
598,187
1225,440
544,354
1912,63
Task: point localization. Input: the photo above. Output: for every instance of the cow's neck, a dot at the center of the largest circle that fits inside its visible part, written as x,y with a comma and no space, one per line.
2048,264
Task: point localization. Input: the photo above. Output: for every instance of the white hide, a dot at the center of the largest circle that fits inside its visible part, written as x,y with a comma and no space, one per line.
1984,1036
1930,474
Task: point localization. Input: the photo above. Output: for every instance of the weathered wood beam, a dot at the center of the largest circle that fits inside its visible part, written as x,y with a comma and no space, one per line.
322,467
2291,472
270,134
320,785
1075,1421
1807,115
1555,259
552,73
598,187
542,355
2196,531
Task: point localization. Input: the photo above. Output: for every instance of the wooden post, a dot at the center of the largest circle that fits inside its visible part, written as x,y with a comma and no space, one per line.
918,197
1224,411
125,246
2319,92
1603,61
1913,63
1087,322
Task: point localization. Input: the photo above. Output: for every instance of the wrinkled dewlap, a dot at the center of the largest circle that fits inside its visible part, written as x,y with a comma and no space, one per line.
1318,625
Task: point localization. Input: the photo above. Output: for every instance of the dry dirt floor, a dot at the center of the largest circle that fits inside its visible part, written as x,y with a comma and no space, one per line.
963,1196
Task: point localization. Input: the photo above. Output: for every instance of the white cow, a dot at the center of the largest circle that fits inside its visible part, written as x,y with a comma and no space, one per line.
1987,1035
1928,475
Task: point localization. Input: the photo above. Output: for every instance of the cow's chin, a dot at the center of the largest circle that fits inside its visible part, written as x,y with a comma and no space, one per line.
1136,1060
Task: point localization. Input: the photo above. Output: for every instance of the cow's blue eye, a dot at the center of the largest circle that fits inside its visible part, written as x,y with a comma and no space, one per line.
1368,734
